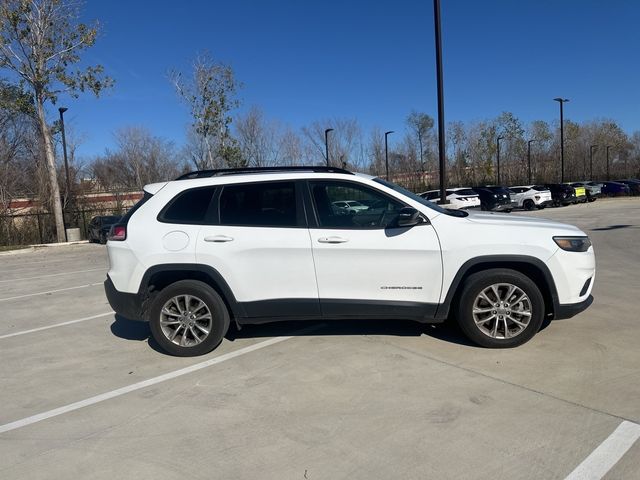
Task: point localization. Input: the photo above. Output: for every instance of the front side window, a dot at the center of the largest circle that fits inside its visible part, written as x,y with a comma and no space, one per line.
263,204
351,206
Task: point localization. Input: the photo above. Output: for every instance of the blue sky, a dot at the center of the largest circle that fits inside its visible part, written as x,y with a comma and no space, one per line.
302,61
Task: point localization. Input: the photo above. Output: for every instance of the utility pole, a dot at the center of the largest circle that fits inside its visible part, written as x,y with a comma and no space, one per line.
441,138
326,144
591,148
561,101
386,153
529,157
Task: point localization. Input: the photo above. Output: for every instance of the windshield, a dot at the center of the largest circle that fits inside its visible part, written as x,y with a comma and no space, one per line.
419,199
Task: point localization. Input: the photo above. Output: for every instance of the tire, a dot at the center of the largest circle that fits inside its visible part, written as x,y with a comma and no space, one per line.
483,332
162,325
103,239
528,205
508,210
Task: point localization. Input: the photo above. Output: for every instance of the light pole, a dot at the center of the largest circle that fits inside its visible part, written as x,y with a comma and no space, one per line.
561,101
529,157
326,144
498,156
608,147
591,148
386,153
441,142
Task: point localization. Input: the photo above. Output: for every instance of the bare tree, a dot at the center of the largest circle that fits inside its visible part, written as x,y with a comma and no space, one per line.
258,139
41,42
344,141
138,159
210,95
420,124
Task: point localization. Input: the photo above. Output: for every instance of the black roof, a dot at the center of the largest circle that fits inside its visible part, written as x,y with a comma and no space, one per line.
244,170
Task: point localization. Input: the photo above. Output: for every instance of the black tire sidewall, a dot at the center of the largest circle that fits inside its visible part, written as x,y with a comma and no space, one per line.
475,283
214,302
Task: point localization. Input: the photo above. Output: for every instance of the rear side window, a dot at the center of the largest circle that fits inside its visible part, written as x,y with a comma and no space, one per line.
264,204
189,207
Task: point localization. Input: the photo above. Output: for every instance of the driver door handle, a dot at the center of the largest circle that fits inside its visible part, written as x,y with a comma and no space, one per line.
218,238
332,239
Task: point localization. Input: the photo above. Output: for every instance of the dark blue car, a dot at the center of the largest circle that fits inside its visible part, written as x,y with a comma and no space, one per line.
614,188
634,185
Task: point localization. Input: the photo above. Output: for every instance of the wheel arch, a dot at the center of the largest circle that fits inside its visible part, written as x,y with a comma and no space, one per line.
532,267
158,277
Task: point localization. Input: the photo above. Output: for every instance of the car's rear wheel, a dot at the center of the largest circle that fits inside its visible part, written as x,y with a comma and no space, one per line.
188,318
500,308
528,205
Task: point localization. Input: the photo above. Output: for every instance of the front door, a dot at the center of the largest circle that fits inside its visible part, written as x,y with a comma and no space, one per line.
364,266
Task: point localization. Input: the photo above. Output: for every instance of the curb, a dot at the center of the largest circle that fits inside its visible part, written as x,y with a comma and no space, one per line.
38,246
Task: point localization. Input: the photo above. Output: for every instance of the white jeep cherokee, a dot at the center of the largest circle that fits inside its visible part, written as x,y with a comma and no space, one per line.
260,245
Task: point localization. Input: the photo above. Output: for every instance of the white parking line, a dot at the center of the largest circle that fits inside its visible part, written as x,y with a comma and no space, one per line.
104,269
145,383
70,322
50,291
596,465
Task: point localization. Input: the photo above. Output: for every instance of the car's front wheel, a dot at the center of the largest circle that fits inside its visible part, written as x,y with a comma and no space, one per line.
188,318
500,308
528,205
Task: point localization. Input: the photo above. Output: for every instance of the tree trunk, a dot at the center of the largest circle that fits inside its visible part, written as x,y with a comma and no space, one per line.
51,170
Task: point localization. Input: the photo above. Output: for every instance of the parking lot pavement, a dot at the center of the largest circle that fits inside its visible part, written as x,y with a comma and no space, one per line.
344,400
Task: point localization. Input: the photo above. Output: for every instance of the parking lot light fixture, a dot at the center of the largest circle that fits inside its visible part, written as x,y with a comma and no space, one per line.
386,153
529,142
326,144
498,156
591,149
608,147
561,101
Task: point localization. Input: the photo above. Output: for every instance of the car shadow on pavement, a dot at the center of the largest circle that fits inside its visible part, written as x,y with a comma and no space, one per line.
447,332
612,227
134,330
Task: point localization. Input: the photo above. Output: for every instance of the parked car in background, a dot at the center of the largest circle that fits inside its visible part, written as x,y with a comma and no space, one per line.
349,207
561,194
634,186
580,191
529,197
458,197
593,190
614,189
99,227
494,198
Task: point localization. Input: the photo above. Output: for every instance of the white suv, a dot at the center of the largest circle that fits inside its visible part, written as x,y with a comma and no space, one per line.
254,246
529,197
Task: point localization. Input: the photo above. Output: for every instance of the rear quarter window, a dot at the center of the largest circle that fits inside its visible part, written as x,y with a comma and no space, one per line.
188,207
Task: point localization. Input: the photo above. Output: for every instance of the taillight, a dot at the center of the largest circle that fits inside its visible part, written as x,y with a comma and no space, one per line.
118,233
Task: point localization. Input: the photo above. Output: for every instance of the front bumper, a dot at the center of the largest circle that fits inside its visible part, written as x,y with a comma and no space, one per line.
128,305
569,310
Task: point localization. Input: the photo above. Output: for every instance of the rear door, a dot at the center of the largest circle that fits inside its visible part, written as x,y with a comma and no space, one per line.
364,266
261,246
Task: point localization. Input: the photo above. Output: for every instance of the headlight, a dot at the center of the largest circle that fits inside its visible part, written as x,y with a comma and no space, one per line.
573,244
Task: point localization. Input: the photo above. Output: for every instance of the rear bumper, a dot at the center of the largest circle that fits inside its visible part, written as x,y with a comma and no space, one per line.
544,203
128,305
569,310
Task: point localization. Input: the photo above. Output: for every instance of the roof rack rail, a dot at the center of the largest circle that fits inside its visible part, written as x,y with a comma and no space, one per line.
238,171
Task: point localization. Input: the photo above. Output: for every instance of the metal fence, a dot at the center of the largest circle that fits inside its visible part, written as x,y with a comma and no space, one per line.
34,228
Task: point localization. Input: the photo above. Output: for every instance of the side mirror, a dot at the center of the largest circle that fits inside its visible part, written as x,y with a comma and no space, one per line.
408,217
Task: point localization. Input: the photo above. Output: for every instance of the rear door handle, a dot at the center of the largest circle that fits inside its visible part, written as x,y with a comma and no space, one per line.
218,238
332,239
